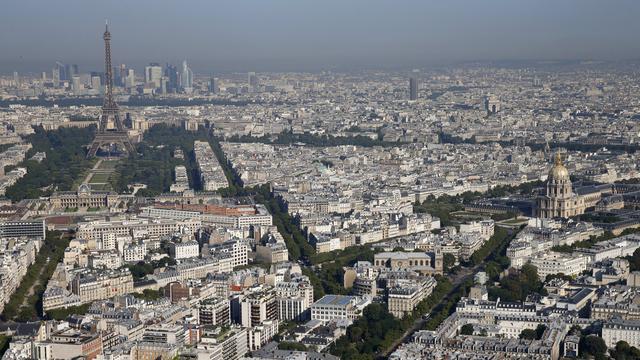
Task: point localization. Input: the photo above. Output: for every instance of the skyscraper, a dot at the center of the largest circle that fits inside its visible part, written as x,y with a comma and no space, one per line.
186,77
153,74
117,77
96,83
16,79
171,72
62,71
76,85
55,76
130,79
163,84
213,85
67,72
121,75
98,74
413,88
252,79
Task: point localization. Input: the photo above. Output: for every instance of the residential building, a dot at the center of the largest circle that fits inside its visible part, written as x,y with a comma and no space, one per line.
333,307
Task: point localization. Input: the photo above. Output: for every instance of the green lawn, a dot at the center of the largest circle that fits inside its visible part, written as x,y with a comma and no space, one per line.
108,164
100,187
80,179
99,178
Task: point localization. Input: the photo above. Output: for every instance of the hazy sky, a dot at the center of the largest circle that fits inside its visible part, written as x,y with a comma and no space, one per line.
242,35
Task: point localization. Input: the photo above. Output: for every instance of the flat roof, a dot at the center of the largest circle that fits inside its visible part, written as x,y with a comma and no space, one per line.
339,300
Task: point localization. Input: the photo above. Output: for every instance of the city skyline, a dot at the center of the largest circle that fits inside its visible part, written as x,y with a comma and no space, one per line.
303,36
320,180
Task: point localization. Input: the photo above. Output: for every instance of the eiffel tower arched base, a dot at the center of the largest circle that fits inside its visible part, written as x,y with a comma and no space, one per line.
108,138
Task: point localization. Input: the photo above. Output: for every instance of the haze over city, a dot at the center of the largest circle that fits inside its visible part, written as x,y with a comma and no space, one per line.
317,35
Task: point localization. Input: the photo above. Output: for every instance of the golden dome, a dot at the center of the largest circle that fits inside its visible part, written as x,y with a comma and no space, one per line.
558,172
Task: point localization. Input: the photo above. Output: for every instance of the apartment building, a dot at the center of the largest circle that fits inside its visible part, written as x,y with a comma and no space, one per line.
153,229
403,298
224,343
616,330
91,285
33,229
294,299
211,173
214,311
551,263
260,335
332,307
165,334
238,249
257,306
184,250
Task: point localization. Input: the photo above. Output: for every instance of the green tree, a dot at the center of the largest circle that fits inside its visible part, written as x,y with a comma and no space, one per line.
64,313
356,333
493,270
623,351
466,329
528,334
291,346
448,261
531,334
149,295
592,345
377,329
4,344
140,269
492,247
65,162
25,304
516,286
540,329
634,260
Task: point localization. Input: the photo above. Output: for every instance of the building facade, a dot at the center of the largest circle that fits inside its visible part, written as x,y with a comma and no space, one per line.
621,330
84,198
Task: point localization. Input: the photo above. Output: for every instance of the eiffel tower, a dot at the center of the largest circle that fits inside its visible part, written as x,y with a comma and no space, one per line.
111,132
